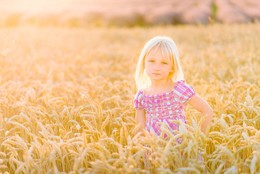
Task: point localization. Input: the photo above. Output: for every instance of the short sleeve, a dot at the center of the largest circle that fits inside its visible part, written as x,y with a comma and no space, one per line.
184,91
138,101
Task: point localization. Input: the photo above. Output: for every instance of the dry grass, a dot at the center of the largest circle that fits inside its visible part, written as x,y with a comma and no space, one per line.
66,101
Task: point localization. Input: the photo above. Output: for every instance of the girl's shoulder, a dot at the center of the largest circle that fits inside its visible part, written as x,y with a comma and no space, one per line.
184,91
138,100
139,94
181,85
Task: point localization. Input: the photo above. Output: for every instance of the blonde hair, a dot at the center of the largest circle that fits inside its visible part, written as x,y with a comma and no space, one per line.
168,48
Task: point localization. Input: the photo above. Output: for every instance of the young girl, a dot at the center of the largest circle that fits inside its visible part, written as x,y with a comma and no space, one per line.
162,91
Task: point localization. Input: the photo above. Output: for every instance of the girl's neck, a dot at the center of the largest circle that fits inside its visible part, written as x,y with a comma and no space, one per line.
161,84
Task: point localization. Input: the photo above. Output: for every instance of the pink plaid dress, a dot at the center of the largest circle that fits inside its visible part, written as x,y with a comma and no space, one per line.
165,107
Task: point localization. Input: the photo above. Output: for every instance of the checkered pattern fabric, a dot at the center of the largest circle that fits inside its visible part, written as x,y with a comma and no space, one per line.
164,108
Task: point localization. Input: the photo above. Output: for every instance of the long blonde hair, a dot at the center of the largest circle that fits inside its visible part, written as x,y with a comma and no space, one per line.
168,48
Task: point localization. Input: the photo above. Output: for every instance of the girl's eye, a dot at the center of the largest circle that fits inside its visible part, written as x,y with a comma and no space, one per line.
165,63
150,60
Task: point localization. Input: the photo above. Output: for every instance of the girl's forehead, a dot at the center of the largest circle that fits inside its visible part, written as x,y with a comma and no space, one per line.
158,53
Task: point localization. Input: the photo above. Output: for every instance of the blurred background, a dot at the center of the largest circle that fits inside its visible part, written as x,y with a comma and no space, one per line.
67,88
127,13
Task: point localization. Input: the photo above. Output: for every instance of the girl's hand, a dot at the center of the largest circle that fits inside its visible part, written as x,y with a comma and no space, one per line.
202,106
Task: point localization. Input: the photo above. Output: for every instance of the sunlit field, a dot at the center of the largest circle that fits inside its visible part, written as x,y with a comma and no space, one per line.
66,101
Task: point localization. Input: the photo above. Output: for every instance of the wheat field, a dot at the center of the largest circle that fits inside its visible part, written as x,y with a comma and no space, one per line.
66,101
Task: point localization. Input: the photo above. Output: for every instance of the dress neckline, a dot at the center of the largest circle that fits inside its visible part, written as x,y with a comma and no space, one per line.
163,93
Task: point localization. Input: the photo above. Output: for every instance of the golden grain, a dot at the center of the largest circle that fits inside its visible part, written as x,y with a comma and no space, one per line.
66,101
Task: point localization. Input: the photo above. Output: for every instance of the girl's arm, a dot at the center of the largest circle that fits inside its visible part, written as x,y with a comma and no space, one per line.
201,105
140,119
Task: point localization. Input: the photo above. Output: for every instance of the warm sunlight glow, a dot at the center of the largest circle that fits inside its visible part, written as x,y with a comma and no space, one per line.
34,6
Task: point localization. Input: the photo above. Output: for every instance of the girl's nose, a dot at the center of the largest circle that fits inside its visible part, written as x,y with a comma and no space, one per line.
157,66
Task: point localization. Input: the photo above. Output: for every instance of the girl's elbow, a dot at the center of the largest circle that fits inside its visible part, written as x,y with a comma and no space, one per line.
209,112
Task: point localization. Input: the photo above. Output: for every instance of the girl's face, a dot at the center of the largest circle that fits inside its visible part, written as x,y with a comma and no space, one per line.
157,66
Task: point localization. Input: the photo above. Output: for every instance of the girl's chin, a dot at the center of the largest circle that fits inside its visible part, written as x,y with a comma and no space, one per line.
156,79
